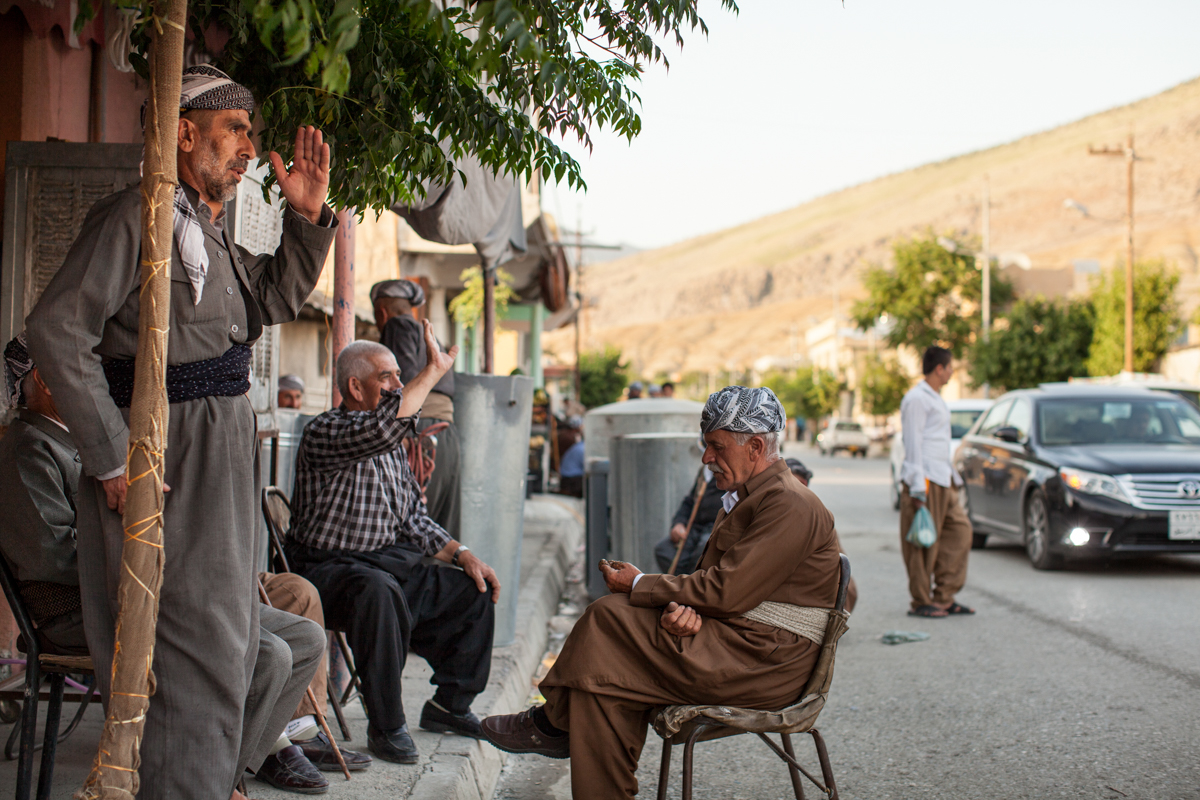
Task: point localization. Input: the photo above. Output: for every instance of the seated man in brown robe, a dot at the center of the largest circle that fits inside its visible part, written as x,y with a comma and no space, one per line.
701,638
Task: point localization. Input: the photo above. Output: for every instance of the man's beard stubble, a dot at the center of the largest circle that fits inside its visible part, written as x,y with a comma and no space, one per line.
219,183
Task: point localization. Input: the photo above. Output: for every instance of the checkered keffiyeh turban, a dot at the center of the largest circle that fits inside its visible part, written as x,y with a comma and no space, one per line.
741,409
17,364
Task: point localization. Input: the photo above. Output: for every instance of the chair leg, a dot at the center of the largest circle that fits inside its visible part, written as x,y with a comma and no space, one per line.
33,688
826,768
50,747
337,708
688,747
84,702
797,786
664,770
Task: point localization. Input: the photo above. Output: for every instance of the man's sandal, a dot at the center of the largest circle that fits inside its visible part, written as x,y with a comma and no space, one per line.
955,608
928,611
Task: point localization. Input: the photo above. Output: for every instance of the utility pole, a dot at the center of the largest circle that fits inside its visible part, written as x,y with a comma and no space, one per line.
1130,156
578,311
986,255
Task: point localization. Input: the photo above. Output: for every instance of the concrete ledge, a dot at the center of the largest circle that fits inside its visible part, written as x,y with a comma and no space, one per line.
464,769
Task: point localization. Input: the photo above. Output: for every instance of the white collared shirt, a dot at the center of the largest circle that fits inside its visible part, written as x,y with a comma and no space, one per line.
925,427
729,500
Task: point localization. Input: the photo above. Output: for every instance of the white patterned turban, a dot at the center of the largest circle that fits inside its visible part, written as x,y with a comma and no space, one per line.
291,383
206,87
399,288
741,409
17,364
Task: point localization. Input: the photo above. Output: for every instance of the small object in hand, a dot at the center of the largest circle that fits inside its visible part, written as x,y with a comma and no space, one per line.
900,637
616,566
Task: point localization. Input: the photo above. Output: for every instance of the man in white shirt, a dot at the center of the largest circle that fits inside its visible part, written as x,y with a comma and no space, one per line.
938,572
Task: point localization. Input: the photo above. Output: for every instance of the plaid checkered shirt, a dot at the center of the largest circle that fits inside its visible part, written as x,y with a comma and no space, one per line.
354,490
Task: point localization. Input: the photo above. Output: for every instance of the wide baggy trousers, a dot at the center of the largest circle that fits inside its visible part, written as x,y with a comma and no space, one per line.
936,574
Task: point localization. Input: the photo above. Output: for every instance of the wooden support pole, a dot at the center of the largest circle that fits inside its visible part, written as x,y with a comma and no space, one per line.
489,319
343,291
114,772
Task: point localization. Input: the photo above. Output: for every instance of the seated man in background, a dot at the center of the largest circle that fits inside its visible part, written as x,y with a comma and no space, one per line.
743,630
360,533
571,466
696,538
39,472
291,392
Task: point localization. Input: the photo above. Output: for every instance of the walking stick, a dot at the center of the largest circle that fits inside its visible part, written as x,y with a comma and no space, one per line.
701,485
337,751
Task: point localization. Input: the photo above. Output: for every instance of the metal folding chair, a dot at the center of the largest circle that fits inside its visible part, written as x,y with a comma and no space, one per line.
277,511
687,725
39,665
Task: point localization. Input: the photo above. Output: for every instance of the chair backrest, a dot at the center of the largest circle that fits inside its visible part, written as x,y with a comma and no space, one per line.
277,511
822,674
15,602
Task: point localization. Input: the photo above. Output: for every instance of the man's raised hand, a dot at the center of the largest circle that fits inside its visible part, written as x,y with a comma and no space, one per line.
435,358
305,185
680,620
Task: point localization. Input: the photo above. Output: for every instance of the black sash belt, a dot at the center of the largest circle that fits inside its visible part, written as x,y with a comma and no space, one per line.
227,375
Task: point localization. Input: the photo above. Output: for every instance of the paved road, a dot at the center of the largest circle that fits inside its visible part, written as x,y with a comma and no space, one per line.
1081,684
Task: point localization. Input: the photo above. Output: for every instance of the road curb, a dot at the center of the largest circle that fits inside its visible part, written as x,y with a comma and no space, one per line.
464,769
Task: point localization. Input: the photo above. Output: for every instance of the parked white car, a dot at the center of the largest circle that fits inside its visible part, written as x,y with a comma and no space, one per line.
843,434
963,414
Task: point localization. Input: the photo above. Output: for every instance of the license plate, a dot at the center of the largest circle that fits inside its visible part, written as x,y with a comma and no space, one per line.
1184,525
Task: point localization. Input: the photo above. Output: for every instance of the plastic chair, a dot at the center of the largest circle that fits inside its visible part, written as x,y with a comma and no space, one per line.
277,511
39,665
687,725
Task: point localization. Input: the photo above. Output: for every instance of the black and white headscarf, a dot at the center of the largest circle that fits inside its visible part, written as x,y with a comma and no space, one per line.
742,409
204,87
17,364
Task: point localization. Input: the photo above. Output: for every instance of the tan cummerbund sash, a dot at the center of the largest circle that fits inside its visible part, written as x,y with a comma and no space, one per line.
800,620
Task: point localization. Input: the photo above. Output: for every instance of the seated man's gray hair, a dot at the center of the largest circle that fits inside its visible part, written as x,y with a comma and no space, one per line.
742,409
357,360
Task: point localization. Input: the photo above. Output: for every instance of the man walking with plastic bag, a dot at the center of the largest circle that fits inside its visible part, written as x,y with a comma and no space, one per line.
936,559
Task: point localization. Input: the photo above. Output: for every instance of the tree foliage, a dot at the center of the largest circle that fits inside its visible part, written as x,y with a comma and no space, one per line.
602,377
1156,317
404,88
811,393
930,296
1040,342
467,305
882,385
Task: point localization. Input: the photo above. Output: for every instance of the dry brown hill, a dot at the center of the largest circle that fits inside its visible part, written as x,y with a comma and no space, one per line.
729,298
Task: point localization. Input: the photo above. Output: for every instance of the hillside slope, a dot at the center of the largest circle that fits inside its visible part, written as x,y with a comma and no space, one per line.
728,298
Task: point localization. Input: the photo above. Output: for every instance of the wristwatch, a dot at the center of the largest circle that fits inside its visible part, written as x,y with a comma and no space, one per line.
462,548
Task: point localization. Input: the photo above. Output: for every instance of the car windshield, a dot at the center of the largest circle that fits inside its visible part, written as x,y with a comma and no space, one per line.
849,426
961,422
1100,421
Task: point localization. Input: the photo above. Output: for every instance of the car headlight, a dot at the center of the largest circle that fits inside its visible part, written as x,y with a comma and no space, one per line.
1092,483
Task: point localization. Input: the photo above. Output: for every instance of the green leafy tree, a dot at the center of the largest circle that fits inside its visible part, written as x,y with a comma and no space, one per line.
1040,342
1156,317
927,294
467,305
809,393
602,377
882,385
405,88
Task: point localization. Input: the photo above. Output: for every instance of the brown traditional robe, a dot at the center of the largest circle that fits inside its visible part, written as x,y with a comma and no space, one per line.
778,544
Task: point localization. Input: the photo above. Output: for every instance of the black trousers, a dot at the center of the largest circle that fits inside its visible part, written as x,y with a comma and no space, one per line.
442,493
689,557
389,602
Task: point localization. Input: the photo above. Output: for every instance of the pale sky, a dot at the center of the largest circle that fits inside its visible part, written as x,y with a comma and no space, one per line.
793,99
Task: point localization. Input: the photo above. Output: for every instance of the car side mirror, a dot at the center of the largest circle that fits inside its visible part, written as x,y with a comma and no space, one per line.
1008,434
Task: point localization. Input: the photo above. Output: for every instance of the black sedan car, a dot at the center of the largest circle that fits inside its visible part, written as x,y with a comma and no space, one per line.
1084,470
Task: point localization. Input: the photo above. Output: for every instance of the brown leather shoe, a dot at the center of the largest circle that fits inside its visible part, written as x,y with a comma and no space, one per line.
516,733
291,771
319,751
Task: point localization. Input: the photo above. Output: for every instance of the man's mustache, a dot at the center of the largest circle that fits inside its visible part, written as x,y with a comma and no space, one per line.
714,469
239,163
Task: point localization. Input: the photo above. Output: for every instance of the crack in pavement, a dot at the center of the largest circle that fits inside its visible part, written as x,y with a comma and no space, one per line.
1099,640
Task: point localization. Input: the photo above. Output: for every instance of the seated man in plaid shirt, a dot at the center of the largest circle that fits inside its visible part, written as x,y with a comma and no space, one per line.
360,533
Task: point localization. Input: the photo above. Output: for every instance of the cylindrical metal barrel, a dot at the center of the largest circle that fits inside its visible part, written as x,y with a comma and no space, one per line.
638,416
595,493
651,473
493,416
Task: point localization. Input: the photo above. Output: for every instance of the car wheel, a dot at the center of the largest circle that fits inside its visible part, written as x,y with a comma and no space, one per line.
1037,534
894,491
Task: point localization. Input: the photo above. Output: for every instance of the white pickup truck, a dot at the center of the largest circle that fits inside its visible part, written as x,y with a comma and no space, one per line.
843,434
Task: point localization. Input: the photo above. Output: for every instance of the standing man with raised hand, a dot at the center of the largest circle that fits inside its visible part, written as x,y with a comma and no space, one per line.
936,573
200,733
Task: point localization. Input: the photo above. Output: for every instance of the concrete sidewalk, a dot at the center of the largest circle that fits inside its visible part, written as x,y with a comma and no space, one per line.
451,767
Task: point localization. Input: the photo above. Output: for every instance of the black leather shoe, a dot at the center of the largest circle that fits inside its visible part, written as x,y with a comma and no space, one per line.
396,746
319,750
439,721
291,771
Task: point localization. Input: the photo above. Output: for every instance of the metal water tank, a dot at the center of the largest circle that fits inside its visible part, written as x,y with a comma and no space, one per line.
649,415
651,474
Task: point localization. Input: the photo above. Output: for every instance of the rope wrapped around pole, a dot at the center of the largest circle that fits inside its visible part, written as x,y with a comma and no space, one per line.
114,774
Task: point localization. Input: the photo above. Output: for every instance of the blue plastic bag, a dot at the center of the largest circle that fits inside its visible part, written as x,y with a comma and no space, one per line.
921,532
